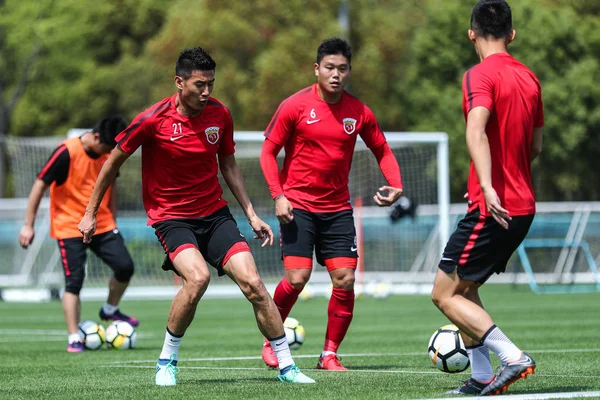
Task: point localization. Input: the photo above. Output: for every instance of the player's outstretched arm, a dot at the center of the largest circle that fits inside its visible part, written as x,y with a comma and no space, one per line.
35,197
107,176
479,150
391,171
268,164
233,177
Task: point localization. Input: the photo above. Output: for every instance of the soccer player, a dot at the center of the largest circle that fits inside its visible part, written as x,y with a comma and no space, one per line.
70,173
318,127
504,113
182,137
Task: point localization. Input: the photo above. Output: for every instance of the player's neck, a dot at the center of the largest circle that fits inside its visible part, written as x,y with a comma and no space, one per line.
487,48
329,98
85,141
184,110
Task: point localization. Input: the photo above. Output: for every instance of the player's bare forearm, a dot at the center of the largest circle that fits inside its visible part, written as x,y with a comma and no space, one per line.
112,205
536,143
235,181
479,146
105,179
33,203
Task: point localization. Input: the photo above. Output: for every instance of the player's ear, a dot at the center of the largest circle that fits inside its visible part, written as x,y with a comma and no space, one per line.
511,36
179,82
472,35
316,69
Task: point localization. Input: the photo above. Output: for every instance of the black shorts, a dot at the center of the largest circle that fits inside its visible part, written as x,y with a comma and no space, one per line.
330,235
480,247
108,246
212,235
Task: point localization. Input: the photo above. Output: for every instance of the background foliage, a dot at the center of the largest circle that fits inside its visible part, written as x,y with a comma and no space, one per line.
67,63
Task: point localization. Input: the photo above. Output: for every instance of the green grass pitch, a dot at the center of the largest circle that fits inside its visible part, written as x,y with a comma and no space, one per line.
220,355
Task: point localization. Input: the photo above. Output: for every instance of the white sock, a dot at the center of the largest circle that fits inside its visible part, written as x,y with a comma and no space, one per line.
326,353
74,337
170,346
496,341
109,309
282,351
481,366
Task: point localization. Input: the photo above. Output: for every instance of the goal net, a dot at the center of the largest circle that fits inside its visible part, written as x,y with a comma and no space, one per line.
400,250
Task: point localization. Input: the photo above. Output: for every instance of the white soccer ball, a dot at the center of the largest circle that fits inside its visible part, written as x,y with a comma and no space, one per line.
294,333
121,335
91,334
447,350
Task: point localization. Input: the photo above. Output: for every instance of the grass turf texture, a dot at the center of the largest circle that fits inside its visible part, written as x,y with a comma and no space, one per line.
559,331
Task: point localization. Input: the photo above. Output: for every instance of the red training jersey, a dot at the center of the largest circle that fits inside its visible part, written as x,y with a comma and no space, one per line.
319,140
179,163
513,95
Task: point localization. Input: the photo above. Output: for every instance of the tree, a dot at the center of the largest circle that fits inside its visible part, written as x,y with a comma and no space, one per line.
561,47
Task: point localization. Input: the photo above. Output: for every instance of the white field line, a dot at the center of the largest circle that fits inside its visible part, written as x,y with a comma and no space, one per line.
43,335
368,371
62,338
408,354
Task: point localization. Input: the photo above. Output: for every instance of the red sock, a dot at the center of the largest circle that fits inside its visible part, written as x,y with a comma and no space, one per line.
285,297
339,312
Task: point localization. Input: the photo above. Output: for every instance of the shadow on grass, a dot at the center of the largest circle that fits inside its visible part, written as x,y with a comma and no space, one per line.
200,381
388,367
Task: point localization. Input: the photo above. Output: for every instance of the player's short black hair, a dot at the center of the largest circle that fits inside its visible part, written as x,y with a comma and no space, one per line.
193,59
109,128
334,46
492,18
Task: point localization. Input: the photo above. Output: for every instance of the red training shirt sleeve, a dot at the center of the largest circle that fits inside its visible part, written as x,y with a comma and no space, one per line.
227,144
268,163
135,134
370,131
282,124
389,165
478,90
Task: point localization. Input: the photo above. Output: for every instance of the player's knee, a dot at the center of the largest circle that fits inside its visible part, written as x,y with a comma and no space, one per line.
438,298
254,289
124,271
345,281
197,281
298,281
73,284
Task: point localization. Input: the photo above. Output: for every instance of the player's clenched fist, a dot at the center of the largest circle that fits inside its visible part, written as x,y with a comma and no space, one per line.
26,236
87,227
393,194
283,210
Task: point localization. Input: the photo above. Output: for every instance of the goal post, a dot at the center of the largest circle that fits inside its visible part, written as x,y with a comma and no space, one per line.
402,251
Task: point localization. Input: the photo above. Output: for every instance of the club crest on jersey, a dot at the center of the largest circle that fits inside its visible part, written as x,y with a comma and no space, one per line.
212,134
349,125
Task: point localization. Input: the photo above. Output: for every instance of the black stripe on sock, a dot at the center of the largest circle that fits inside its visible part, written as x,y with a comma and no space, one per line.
277,338
172,334
488,333
474,346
